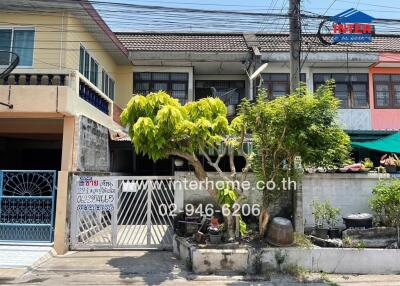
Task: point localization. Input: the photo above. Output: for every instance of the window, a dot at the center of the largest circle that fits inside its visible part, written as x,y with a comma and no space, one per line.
350,89
88,66
107,84
387,90
230,91
19,41
278,84
175,84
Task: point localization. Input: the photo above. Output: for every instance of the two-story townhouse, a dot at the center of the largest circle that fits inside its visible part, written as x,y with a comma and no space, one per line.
57,109
193,65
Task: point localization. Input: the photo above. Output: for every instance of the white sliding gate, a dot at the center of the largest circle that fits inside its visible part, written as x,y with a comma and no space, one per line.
121,212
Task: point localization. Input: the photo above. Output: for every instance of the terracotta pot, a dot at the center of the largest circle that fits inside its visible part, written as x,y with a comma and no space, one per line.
280,232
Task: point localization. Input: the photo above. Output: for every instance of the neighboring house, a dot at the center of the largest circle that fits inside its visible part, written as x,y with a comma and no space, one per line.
62,104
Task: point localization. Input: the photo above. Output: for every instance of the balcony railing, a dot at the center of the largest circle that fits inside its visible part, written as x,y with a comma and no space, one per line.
82,86
36,79
91,96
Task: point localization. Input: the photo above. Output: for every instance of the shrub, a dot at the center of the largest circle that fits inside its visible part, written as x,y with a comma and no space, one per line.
385,201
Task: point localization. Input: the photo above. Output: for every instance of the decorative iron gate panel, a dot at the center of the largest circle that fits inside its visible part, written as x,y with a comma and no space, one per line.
121,212
27,204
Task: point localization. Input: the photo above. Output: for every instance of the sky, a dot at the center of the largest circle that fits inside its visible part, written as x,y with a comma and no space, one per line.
160,20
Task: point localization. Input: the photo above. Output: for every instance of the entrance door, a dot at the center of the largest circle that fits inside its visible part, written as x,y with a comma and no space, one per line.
122,212
27,206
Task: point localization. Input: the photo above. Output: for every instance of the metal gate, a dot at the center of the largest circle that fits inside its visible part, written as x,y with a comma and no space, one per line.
121,212
27,205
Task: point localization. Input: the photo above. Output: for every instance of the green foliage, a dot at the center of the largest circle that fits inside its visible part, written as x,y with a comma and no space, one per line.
301,124
368,163
385,201
158,124
227,196
324,214
300,240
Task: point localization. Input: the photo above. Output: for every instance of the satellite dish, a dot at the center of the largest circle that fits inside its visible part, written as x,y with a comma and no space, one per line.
258,71
8,62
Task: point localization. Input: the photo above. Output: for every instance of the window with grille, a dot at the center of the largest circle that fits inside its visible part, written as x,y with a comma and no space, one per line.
350,89
175,84
278,84
230,91
387,90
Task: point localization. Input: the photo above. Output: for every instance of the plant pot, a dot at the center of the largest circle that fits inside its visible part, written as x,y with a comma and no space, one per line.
321,232
334,233
215,238
362,220
390,169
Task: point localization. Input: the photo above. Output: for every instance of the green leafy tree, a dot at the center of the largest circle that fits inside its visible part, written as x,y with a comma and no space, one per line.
159,126
301,125
385,201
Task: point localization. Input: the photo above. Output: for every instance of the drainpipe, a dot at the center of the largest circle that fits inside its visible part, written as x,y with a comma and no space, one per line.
61,40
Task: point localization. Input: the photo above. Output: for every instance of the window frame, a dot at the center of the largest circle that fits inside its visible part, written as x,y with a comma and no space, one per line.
230,83
350,92
391,83
268,85
169,83
13,28
91,57
104,74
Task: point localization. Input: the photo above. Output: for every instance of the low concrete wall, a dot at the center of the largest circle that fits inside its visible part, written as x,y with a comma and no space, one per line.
258,261
335,260
349,192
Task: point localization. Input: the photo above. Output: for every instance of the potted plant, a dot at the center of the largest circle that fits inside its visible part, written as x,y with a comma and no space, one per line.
333,219
388,161
320,215
368,164
214,231
385,201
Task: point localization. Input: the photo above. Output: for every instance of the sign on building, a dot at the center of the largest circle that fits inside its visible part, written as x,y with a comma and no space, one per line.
96,194
352,26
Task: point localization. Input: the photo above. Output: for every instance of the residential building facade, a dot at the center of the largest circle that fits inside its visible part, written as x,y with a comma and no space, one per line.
60,107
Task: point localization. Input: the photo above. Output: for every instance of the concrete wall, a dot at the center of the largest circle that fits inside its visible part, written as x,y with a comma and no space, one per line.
253,196
93,152
248,260
349,192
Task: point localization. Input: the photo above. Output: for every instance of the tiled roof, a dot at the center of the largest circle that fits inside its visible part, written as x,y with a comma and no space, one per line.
380,43
235,42
180,42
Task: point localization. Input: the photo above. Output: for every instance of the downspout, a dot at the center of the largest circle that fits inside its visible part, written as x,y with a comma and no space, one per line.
61,41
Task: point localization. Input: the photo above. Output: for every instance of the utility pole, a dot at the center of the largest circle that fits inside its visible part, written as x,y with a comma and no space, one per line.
294,20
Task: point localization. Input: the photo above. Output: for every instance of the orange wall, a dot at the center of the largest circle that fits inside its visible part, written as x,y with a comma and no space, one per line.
383,119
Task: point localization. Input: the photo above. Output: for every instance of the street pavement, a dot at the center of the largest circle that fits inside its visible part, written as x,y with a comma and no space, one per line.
157,268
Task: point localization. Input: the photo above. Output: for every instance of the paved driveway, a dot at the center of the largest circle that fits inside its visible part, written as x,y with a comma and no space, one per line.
17,259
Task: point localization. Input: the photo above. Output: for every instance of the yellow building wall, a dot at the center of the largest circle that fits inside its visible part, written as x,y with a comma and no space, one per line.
47,47
57,42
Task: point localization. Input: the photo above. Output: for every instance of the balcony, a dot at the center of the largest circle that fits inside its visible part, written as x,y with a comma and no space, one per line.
55,94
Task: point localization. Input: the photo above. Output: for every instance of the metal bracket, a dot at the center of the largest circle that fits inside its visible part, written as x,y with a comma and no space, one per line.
10,106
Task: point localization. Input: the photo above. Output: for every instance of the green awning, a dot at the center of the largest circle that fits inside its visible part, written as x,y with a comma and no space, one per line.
390,144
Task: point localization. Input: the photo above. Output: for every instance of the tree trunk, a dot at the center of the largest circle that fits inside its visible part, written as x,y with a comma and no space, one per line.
230,227
263,222
199,171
